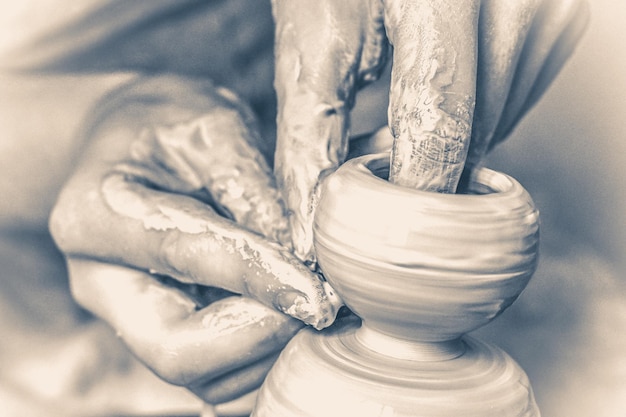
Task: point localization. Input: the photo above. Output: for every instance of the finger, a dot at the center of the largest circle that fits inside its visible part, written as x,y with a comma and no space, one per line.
432,90
318,58
375,44
552,19
183,238
502,29
181,343
176,134
236,383
217,152
128,212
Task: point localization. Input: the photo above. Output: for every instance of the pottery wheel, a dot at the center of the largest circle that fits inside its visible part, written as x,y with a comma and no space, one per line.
316,375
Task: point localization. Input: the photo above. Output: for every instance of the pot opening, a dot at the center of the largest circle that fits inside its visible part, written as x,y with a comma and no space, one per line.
473,182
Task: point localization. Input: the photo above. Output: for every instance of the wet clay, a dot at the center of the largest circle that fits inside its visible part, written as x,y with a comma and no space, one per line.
432,91
420,269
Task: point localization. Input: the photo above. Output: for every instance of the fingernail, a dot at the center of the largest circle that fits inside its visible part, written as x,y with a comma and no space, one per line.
297,305
319,314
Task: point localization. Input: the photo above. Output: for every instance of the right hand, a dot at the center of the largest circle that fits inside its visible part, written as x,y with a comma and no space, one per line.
172,229
461,70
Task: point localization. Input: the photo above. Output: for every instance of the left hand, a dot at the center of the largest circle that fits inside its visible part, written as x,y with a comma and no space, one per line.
172,228
461,70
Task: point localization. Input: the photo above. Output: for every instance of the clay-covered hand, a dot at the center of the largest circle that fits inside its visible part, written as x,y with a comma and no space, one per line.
461,69
173,229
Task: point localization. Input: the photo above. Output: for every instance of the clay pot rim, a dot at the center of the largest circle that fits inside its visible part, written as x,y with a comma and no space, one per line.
486,183
440,237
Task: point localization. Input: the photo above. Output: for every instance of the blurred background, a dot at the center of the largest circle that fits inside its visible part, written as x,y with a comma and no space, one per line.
567,330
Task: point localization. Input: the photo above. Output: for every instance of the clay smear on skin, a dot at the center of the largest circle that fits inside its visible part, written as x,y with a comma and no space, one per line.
233,317
232,170
121,197
430,109
235,174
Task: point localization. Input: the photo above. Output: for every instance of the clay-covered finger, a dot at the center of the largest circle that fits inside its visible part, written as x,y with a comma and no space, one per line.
215,152
322,49
183,342
502,30
183,238
144,197
551,20
432,89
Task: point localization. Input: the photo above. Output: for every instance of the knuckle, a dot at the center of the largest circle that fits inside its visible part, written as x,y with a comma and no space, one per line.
62,223
72,219
80,291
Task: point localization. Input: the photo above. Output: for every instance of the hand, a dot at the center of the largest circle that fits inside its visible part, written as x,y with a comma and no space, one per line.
170,215
461,70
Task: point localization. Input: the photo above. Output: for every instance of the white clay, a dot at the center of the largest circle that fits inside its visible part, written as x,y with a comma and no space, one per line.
420,269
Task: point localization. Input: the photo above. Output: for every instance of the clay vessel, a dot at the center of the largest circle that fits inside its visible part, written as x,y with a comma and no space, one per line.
420,269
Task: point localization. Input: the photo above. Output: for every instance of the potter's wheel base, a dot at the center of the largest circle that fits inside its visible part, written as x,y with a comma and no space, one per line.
333,374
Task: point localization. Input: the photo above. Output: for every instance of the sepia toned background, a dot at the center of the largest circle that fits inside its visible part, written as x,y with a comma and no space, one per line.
567,330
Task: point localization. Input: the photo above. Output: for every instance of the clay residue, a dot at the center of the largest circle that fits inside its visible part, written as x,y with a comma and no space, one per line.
289,285
234,315
129,200
432,92
270,274
221,149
